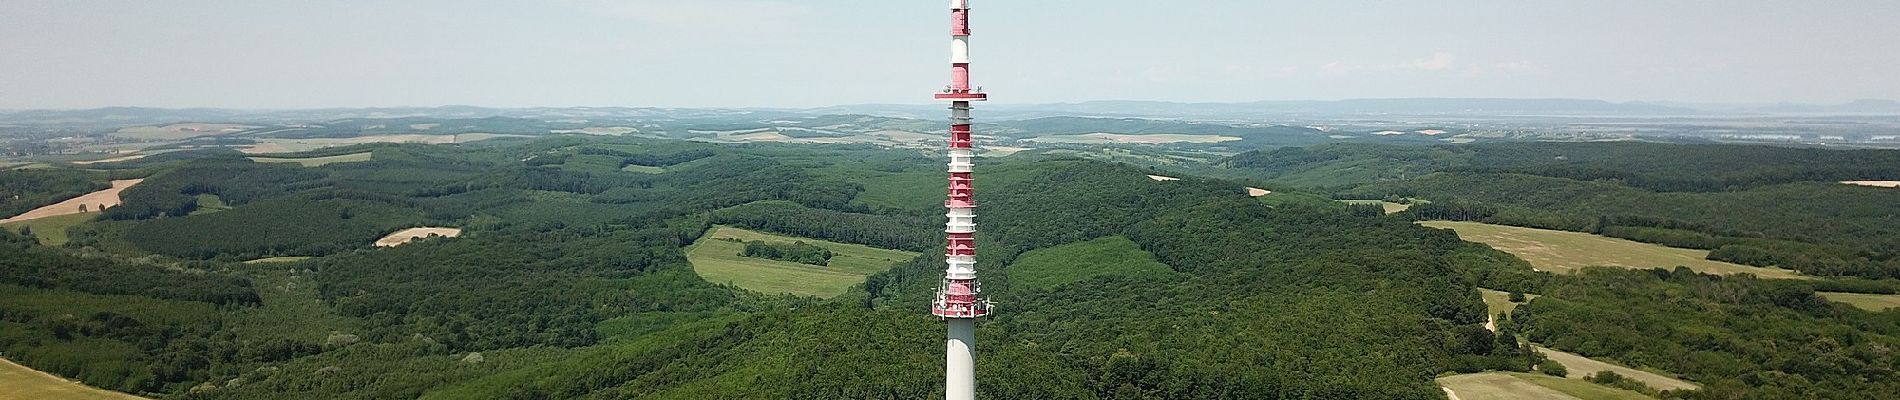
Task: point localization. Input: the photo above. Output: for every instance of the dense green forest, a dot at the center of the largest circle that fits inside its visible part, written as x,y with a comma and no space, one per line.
570,281
1754,205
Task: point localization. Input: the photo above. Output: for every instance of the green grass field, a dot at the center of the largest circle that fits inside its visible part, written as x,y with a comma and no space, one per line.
1390,208
1074,262
52,230
1564,252
317,161
1523,386
18,382
1869,302
718,261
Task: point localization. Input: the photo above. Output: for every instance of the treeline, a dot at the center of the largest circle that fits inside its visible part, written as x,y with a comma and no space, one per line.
25,190
796,251
1773,226
1737,337
883,231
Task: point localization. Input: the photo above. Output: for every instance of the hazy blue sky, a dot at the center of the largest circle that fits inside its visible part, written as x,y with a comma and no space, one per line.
277,54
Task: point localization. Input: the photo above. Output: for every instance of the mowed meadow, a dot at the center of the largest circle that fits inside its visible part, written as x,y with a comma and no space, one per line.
717,258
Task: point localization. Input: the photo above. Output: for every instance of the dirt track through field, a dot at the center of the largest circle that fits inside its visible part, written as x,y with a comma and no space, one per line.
93,202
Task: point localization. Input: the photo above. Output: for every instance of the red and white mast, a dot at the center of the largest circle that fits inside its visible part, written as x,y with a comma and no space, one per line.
957,300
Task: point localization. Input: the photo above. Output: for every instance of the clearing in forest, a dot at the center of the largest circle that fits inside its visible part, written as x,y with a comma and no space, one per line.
1565,252
716,258
93,202
405,236
17,382
1080,261
1523,386
318,161
1869,302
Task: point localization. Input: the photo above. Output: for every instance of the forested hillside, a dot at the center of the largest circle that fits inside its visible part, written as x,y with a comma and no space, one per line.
570,281
1754,205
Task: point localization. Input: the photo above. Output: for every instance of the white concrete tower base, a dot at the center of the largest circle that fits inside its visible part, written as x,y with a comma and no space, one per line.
960,367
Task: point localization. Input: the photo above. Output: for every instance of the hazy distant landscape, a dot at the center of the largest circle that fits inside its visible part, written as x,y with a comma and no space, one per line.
1117,200
481,253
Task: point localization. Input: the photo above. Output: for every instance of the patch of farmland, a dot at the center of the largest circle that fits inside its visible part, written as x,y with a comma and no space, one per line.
405,236
93,202
1523,386
1869,302
718,261
17,382
318,161
1565,252
113,159
1257,192
1081,261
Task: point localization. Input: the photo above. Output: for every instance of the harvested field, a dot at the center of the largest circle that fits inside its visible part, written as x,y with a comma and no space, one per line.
1257,192
1880,184
1869,302
17,382
93,201
718,261
1580,366
405,236
1564,252
318,161
1116,138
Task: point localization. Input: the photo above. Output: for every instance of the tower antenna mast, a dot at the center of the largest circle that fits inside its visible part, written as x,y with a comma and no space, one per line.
957,302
